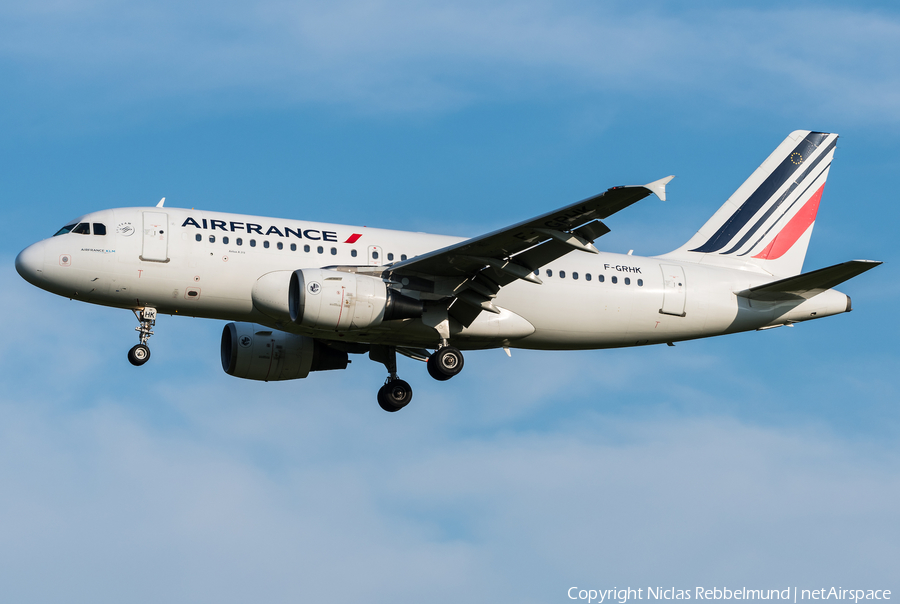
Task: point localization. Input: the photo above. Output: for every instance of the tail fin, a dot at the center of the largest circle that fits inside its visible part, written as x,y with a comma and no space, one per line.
767,223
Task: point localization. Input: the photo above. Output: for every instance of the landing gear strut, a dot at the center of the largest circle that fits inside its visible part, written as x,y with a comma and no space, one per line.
396,393
140,353
446,362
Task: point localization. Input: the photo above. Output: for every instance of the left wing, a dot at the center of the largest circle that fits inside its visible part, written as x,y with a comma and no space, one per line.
473,271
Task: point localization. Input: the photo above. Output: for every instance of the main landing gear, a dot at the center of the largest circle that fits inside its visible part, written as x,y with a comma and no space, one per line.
140,353
446,362
396,393
443,364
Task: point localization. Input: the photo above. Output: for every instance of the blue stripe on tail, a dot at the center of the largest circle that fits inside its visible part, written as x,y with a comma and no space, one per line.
762,194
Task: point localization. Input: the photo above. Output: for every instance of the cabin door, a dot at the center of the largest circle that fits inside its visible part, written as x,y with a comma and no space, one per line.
673,290
156,237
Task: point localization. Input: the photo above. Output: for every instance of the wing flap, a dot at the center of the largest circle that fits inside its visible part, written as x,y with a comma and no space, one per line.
808,285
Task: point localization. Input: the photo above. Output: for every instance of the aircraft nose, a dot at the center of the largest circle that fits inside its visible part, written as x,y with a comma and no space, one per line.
30,263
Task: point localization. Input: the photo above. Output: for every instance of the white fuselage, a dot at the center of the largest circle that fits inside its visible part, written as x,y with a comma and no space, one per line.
205,264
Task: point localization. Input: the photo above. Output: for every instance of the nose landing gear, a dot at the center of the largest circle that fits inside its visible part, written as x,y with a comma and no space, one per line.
140,353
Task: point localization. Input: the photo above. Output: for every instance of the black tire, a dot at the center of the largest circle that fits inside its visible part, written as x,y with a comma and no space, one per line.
138,355
445,363
394,395
434,371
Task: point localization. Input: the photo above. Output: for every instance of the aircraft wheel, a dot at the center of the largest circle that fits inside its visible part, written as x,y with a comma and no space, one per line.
433,371
394,395
445,363
139,354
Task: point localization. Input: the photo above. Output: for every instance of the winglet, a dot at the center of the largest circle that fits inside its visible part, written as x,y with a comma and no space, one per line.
659,186
163,200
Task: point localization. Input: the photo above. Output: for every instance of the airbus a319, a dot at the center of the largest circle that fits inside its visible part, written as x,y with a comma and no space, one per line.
303,296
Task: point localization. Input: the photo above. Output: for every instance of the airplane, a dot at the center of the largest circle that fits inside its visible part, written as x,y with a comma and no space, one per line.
303,296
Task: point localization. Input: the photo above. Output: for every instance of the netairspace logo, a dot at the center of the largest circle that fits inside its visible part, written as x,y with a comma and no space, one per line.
791,594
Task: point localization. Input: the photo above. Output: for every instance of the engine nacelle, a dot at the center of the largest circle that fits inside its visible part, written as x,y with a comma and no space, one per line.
334,300
255,352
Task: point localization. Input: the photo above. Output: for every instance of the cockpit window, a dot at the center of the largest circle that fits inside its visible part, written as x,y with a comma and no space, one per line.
99,229
65,229
83,228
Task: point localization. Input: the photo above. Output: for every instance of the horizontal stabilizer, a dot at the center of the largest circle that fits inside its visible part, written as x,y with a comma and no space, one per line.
809,284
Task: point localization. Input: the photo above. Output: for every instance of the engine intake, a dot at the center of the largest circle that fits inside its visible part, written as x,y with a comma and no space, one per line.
255,352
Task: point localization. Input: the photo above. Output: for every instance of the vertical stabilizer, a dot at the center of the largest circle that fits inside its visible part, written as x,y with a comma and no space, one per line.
767,223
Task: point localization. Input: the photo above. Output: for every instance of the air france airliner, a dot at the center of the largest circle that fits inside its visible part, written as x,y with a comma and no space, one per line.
303,296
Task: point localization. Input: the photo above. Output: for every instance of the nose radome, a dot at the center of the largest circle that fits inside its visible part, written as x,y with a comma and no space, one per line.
30,263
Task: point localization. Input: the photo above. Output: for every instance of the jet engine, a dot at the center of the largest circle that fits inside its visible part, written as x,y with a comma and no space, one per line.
334,300
339,301
255,352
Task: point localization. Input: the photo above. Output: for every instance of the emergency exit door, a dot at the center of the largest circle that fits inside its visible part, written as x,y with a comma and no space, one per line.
376,255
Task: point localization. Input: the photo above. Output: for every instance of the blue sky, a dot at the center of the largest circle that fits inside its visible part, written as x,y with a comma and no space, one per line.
760,460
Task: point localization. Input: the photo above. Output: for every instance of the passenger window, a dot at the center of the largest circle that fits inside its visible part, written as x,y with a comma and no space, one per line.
305,248
574,275
280,245
390,255
640,283
334,251
253,243
293,247
549,272
627,280
601,278
99,228
320,249
266,244
375,255
82,229
614,279
587,276
562,274
212,238
198,237
402,256
225,240
353,253
239,241
66,229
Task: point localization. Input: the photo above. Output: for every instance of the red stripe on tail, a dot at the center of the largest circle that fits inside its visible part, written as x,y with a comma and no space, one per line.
792,231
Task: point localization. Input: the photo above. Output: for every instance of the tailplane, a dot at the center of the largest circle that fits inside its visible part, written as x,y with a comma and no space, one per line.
767,223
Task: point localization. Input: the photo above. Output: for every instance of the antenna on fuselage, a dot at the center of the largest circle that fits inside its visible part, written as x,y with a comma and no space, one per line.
161,202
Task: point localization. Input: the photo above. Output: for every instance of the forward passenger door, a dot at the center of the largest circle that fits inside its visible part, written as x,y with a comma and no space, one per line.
156,237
